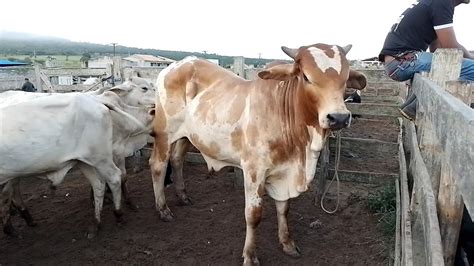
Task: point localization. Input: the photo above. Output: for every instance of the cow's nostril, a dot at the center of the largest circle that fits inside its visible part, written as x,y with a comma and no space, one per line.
331,118
337,120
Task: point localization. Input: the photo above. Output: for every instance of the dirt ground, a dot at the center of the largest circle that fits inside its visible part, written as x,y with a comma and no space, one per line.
209,232
212,230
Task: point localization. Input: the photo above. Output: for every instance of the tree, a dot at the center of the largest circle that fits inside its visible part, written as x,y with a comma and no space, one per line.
27,60
85,59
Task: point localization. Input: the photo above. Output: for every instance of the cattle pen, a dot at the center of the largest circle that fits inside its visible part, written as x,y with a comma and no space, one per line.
429,161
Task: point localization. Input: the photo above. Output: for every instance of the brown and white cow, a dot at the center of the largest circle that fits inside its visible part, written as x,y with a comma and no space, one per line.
273,128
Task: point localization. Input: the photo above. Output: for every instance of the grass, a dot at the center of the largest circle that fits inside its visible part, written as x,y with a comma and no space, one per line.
383,203
72,60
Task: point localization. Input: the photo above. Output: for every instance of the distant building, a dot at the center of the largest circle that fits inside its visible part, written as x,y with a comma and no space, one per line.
100,62
372,63
214,61
141,60
51,62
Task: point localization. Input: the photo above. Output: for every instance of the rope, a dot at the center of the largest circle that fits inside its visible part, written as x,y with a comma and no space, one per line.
336,176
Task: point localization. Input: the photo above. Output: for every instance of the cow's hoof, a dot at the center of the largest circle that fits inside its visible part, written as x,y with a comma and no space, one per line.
118,216
52,190
32,223
91,233
93,230
10,231
108,200
251,261
25,214
166,215
131,206
185,201
292,250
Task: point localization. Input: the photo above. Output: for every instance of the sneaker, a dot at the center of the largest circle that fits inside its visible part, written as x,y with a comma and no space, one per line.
354,97
409,100
409,111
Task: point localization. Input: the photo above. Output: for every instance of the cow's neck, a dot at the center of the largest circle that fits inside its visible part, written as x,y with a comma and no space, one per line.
293,112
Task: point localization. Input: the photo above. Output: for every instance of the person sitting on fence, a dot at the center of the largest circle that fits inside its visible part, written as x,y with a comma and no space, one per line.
28,86
426,23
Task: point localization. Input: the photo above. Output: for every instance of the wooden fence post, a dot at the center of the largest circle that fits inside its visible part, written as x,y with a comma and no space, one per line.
446,65
445,70
450,203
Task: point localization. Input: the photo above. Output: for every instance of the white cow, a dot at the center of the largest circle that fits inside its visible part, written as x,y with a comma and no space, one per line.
135,91
48,134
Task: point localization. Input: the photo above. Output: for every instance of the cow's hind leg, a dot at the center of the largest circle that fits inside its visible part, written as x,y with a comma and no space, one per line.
289,246
254,191
98,189
125,192
6,193
158,164
19,204
112,175
178,153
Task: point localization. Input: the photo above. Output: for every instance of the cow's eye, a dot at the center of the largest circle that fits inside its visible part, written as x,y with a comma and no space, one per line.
305,78
144,88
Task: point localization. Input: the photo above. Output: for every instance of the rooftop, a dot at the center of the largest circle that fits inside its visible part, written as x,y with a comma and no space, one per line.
5,63
148,58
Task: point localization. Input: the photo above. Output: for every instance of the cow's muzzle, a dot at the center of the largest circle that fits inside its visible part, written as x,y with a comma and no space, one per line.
339,120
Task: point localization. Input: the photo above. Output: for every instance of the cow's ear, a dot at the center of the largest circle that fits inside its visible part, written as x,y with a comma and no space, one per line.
151,111
119,89
278,72
356,80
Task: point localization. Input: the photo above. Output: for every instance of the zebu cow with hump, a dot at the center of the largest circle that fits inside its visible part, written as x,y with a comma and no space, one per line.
273,128
56,132
135,97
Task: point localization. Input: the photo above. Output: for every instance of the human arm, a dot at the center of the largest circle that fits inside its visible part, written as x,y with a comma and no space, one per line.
447,39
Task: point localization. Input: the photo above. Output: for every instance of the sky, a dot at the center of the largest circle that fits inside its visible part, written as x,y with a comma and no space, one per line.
250,28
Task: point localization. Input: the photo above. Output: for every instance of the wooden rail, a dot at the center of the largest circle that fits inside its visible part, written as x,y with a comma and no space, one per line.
440,156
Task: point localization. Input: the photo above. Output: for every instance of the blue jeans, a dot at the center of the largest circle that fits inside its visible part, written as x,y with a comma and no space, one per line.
405,70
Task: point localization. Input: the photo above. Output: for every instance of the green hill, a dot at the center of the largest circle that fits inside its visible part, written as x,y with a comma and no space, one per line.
30,45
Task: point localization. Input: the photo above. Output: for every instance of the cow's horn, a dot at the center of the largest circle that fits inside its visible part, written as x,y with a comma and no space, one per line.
347,48
290,51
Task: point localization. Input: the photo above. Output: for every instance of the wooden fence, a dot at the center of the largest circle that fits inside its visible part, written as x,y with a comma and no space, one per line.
436,174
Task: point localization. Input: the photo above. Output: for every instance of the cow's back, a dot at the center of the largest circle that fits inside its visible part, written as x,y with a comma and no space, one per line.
206,104
42,134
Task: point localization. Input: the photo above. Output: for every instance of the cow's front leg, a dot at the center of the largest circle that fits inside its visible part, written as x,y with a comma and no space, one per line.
289,246
158,163
253,215
179,150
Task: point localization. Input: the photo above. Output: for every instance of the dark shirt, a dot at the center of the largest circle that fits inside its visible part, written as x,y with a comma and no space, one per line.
415,28
28,86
